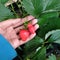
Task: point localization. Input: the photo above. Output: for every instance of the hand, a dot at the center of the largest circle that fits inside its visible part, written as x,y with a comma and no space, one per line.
11,27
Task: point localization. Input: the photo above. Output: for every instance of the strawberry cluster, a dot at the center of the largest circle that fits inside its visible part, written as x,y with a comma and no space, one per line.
25,33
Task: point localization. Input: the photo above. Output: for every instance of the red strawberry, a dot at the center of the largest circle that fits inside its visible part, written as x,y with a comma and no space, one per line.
29,25
24,34
31,28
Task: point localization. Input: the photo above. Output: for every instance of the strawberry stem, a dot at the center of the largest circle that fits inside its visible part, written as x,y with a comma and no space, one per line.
25,24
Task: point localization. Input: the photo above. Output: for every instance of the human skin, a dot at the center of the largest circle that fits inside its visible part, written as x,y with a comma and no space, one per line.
10,29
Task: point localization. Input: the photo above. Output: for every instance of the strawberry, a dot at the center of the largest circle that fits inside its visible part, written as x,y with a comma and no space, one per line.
31,28
24,34
29,25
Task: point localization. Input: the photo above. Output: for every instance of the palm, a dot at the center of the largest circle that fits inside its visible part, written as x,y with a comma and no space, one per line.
8,31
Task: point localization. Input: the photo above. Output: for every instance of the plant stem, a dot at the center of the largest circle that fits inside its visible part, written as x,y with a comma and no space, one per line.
19,6
45,42
14,11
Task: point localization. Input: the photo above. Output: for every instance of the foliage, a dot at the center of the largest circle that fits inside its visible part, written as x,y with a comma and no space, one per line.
47,13
5,13
3,1
52,57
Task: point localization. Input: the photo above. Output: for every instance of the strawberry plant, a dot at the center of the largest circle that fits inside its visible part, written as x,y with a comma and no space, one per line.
46,44
47,13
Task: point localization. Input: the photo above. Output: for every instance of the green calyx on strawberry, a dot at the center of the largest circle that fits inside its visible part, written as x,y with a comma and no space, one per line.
30,27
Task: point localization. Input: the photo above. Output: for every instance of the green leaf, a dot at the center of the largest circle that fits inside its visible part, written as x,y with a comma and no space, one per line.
33,44
50,33
3,1
31,7
39,7
5,13
47,25
52,5
52,57
50,15
55,37
58,57
40,54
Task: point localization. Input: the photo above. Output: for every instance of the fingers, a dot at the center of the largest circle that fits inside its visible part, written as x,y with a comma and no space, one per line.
16,43
34,21
31,37
21,27
18,29
9,23
20,42
36,27
18,22
28,18
14,22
